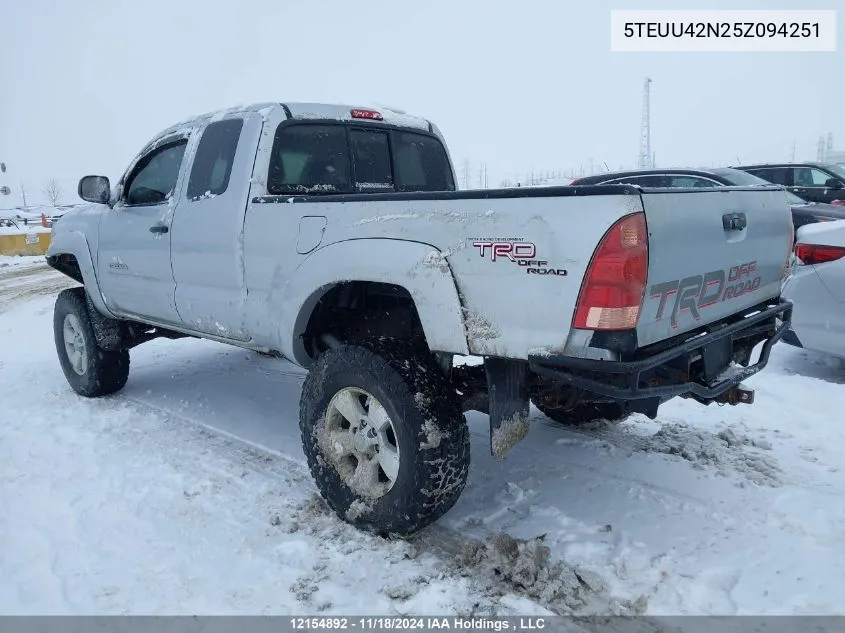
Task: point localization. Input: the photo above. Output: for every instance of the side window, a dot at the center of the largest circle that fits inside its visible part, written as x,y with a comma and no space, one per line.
213,161
772,174
645,181
421,163
309,159
808,177
371,156
691,182
154,178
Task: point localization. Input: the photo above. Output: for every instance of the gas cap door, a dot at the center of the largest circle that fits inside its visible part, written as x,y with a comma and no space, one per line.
311,230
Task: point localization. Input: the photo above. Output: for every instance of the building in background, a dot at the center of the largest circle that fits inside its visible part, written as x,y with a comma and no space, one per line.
826,153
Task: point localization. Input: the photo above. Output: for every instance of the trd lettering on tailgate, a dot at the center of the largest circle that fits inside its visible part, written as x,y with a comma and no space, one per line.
693,294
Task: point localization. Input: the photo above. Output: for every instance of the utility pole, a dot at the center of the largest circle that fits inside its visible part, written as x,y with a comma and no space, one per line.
23,195
466,175
646,157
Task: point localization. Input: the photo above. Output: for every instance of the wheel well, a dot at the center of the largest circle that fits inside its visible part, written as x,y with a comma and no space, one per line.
66,264
359,310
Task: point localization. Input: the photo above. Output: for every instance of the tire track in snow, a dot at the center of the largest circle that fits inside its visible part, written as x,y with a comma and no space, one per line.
17,272
31,283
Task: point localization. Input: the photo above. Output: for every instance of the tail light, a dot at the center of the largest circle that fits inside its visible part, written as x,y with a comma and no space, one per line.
838,203
614,286
575,182
810,254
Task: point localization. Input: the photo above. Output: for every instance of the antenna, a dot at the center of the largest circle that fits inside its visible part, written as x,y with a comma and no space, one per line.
645,128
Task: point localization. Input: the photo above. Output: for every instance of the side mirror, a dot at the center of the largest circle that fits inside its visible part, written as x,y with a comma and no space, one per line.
834,183
95,189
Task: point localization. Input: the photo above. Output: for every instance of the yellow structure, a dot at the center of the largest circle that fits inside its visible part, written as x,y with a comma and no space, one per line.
34,243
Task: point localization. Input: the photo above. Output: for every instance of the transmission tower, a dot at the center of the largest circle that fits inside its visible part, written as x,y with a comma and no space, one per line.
645,160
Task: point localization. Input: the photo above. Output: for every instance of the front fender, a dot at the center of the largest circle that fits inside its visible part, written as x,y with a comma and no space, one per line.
74,243
421,269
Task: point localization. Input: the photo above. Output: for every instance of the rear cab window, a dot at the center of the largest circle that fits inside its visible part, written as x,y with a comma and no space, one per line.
214,158
336,158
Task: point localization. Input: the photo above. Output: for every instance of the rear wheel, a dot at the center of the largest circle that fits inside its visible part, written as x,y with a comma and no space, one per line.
90,370
585,412
384,436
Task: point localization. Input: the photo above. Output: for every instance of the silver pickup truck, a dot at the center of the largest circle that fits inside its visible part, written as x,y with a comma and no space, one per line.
334,237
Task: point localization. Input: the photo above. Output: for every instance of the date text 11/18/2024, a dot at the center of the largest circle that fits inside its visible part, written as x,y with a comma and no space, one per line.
433,623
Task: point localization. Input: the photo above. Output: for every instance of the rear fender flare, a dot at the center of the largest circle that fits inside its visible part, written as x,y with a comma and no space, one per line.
418,268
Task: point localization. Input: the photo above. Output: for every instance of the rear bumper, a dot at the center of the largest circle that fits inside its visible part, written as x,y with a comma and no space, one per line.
694,367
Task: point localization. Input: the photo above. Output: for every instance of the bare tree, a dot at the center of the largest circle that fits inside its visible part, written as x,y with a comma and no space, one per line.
52,191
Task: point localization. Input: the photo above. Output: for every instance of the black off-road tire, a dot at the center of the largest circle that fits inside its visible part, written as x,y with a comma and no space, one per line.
104,372
585,413
430,431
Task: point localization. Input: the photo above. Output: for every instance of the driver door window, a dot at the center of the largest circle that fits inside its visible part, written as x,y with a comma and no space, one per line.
154,178
808,177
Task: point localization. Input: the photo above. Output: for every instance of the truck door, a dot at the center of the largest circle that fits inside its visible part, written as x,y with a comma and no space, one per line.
134,237
207,247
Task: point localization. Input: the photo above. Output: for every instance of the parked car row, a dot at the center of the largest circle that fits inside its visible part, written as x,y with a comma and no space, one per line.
803,210
816,281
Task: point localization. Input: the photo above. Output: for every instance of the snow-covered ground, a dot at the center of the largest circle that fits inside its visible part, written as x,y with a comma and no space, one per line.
187,493
7,262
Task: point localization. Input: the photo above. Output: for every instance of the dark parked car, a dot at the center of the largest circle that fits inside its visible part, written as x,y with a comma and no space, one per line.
803,212
815,182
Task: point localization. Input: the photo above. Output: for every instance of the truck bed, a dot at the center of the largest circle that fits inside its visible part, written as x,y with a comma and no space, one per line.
518,256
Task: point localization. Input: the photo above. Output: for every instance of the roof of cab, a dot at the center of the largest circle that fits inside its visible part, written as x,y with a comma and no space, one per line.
300,110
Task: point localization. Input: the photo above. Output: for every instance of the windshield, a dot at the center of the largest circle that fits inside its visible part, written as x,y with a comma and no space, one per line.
793,199
839,170
741,178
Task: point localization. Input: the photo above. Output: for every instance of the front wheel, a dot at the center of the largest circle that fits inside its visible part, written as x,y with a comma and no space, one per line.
384,436
90,371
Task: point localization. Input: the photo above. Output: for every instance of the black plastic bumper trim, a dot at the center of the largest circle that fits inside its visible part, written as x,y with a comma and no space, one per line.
569,370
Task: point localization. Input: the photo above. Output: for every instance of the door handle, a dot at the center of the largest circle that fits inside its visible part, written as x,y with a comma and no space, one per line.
734,221
158,228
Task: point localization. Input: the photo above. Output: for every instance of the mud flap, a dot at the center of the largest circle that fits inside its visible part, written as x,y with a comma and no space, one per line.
509,403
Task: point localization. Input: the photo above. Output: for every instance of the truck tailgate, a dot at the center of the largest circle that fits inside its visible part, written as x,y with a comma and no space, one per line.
712,253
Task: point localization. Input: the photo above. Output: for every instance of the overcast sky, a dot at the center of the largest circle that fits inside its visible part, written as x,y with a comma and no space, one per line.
518,85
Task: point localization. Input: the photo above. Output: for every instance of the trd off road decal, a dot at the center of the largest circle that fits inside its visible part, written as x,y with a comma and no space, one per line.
693,294
517,251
